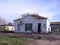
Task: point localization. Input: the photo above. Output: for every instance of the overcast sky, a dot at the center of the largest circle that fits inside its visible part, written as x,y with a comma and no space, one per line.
12,9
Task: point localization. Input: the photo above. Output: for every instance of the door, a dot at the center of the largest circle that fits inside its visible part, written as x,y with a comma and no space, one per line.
18,27
39,27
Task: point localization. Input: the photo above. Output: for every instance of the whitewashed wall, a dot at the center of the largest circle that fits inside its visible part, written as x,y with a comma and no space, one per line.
9,28
48,26
34,21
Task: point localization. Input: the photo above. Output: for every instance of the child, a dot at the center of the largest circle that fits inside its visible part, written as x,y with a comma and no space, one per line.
29,31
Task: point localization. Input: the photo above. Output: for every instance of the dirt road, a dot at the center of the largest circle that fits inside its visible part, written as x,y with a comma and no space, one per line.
37,39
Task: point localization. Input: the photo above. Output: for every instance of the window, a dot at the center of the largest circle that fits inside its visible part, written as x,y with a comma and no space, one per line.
20,21
18,26
44,25
28,26
12,28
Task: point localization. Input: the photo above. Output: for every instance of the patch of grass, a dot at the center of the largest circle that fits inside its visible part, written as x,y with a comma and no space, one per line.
12,41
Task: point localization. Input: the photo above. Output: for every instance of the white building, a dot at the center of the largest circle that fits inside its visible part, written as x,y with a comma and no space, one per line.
32,22
8,27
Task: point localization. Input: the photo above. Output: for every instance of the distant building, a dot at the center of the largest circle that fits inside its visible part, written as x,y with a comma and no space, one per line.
55,26
8,27
31,22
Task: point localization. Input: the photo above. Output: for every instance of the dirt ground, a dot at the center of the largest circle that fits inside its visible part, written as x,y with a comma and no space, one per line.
43,42
37,39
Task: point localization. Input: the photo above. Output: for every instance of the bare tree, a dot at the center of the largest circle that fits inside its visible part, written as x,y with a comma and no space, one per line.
2,21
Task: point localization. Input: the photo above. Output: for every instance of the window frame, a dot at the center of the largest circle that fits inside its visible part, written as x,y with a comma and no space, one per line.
29,27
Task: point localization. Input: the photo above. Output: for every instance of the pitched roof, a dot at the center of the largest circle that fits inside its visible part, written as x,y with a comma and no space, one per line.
35,16
38,17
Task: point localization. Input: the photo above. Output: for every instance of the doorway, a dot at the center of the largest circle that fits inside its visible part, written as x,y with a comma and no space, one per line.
39,27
